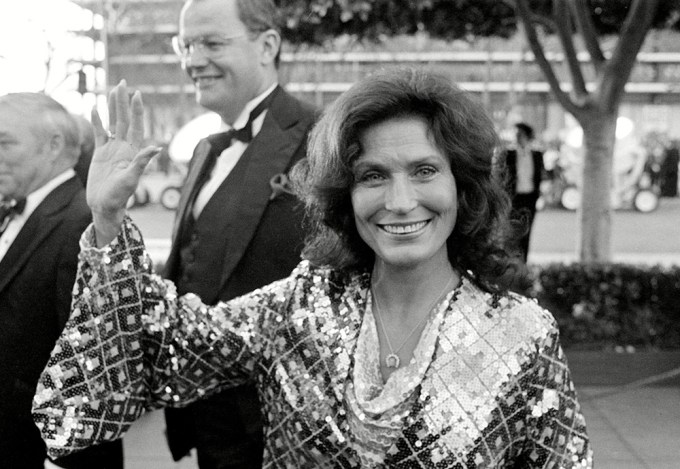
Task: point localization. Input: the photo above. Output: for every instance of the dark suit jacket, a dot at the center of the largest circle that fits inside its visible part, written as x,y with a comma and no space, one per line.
252,239
511,167
36,280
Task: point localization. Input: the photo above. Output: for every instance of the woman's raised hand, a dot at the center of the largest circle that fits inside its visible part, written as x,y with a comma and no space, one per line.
118,161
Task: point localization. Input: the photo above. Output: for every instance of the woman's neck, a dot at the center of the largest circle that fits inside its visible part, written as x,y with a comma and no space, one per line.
404,290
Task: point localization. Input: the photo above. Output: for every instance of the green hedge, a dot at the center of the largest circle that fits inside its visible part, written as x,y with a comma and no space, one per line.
611,305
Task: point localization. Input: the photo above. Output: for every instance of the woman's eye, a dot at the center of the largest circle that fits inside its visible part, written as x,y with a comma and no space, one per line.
426,171
371,176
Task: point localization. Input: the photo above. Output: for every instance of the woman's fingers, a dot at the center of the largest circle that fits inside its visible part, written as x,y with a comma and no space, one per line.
141,160
143,157
136,132
122,110
126,117
100,136
112,108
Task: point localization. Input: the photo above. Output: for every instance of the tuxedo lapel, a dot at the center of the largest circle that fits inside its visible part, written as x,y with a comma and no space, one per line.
267,155
198,162
42,222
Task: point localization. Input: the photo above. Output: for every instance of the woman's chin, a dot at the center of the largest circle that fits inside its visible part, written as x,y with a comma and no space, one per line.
407,258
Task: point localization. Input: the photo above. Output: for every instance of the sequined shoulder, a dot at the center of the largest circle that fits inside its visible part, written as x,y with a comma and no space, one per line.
508,319
530,311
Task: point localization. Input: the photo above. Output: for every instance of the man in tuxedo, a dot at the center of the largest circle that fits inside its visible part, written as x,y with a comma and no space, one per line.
524,166
42,215
237,227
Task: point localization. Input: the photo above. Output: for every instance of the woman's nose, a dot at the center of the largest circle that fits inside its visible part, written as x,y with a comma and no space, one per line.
400,196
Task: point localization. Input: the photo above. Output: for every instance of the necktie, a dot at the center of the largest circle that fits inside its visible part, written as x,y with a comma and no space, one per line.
223,140
8,210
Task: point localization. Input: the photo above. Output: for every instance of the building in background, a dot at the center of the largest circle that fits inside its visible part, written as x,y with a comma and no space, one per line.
136,36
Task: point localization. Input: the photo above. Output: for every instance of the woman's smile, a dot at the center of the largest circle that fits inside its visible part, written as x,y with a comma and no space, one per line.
404,196
404,228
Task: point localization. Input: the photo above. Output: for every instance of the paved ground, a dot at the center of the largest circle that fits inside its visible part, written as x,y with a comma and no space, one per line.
638,238
631,403
632,407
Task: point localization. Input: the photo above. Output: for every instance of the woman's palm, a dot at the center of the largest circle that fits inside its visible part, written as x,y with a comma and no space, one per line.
118,162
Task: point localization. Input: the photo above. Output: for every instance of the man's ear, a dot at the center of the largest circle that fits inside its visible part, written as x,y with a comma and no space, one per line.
270,43
56,145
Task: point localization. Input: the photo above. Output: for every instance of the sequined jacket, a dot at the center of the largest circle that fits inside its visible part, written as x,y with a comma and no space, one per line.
497,393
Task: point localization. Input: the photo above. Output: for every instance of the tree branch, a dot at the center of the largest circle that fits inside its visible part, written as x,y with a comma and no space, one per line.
584,23
564,32
619,67
524,15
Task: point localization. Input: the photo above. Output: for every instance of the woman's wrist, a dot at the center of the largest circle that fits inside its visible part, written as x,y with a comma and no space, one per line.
107,225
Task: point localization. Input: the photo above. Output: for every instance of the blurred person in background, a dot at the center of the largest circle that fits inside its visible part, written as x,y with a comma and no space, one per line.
552,186
237,227
392,344
668,171
629,160
524,171
42,215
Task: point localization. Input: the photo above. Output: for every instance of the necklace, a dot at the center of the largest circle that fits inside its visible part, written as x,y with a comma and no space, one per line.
392,359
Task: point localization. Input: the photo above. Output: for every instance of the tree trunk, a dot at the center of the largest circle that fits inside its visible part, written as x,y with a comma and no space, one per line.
599,134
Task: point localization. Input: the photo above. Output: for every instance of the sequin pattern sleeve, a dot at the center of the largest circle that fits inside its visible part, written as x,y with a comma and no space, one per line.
556,429
131,345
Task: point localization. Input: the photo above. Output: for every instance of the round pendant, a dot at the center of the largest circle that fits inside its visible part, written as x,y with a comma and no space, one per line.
392,361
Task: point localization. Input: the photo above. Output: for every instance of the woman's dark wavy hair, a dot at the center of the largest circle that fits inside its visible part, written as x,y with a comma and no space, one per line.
461,130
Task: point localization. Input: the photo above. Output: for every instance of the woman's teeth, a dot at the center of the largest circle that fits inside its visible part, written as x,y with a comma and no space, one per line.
404,229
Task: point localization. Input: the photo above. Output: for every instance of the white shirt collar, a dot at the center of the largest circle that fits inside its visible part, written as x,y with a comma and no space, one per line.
33,199
242,118
36,197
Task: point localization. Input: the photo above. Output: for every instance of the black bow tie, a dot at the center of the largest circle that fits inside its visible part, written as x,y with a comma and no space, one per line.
8,209
223,140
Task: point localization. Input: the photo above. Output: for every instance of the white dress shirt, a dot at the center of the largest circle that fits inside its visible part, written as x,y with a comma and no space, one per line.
230,156
525,170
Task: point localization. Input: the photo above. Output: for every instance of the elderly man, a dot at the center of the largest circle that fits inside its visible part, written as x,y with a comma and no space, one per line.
237,226
42,214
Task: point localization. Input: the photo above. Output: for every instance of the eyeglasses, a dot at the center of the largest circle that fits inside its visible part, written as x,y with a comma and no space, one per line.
211,45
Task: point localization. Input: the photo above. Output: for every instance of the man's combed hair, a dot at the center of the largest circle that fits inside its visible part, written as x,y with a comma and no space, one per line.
259,16
46,115
526,129
460,129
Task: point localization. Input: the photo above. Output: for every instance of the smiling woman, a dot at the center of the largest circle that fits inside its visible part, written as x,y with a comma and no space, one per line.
369,126
404,199
390,345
